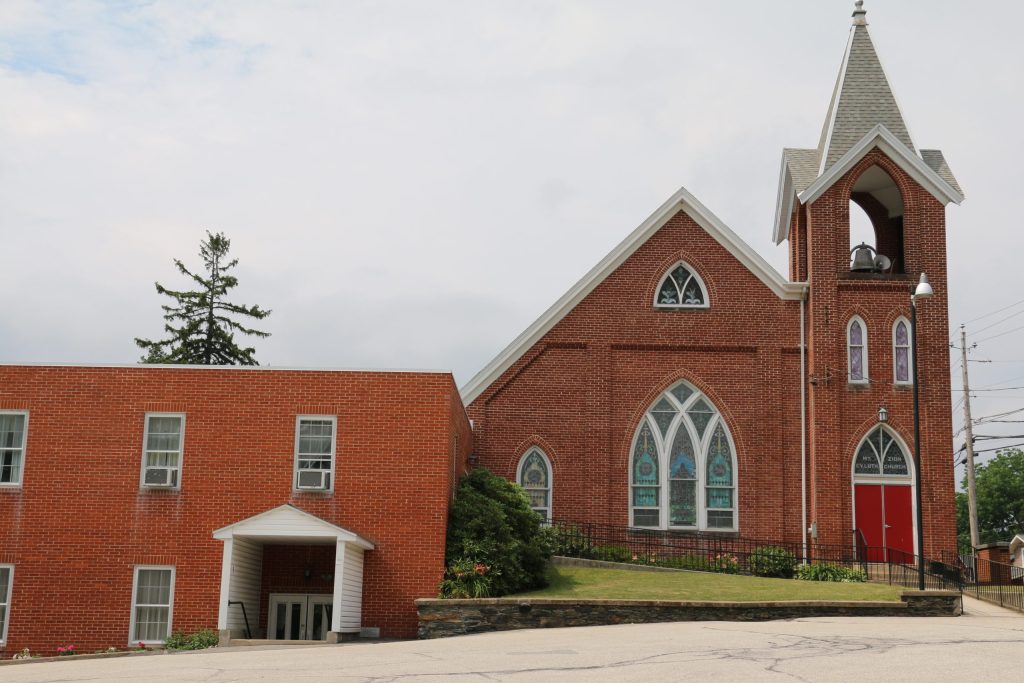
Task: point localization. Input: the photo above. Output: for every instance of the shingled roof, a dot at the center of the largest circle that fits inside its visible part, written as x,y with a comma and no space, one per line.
862,101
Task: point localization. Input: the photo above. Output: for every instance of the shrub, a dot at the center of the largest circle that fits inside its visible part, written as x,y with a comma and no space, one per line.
771,560
491,524
615,553
569,541
830,572
466,579
200,640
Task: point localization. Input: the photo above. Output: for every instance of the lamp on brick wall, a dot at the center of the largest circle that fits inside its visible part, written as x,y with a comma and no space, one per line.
883,414
923,290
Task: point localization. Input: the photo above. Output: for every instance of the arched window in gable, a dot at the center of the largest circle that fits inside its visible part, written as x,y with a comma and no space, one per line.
857,351
683,447
880,454
901,350
681,287
535,478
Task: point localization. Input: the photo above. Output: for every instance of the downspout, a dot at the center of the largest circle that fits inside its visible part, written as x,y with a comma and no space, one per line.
803,428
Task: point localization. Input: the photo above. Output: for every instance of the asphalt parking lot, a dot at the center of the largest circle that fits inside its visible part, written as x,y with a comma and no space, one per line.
985,644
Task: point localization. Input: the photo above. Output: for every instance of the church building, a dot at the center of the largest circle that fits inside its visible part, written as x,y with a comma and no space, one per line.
683,385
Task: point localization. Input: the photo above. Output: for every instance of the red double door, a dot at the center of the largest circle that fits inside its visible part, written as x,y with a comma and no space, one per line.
885,517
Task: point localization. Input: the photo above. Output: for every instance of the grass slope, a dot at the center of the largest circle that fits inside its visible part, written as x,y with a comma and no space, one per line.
622,584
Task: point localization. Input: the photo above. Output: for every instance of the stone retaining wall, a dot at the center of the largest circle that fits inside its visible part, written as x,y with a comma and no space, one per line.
443,618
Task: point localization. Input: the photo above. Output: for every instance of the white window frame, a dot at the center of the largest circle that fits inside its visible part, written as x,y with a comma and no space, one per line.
5,600
910,353
695,275
663,445
551,479
333,419
23,448
135,605
181,453
866,379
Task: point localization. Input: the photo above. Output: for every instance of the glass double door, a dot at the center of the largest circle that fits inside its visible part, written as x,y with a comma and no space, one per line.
298,616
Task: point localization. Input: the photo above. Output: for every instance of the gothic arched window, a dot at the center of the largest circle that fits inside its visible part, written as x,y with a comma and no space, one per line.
683,447
857,351
535,478
881,454
901,351
681,287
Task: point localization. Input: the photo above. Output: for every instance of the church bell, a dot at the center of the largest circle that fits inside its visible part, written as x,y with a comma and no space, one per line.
863,261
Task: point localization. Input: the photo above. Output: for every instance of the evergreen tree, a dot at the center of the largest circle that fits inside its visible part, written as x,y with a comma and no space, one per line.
200,323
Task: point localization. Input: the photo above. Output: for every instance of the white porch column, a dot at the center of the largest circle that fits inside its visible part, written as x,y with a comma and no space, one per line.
225,585
339,577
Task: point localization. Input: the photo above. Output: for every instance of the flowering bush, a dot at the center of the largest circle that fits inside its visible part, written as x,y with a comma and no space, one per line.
724,562
65,650
465,578
771,560
24,654
495,545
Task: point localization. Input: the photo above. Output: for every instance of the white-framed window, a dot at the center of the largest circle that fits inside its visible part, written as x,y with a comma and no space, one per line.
314,452
901,351
162,445
6,584
683,465
534,475
152,605
857,351
681,287
881,454
13,434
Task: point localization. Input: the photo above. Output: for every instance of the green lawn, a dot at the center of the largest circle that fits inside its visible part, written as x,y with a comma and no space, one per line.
622,584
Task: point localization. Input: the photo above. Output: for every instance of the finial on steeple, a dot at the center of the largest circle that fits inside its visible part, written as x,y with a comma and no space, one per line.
859,14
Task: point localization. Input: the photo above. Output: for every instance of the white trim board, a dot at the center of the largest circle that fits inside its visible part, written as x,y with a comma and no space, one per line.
886,142
283,517
682,200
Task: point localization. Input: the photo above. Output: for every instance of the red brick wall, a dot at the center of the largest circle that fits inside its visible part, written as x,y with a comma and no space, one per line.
580,391
79,524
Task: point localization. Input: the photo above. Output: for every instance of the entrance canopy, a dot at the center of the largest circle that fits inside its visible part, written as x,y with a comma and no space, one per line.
242,568
288,524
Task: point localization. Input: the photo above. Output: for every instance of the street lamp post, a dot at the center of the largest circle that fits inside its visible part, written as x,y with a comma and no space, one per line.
922,291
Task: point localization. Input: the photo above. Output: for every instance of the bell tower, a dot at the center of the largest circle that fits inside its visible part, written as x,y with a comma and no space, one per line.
864,216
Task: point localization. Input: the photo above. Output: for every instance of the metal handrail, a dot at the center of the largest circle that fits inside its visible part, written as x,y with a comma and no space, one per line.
248,633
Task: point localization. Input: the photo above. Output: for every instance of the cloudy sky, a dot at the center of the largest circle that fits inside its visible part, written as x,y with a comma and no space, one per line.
410,184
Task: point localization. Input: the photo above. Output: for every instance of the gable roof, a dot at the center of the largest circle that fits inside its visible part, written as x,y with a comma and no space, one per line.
287,522
682,200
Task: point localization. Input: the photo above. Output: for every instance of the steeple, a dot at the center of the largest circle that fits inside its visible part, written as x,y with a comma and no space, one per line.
861,99
862,115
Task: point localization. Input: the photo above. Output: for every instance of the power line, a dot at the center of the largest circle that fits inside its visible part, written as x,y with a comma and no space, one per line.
999,322
1016,329
998,310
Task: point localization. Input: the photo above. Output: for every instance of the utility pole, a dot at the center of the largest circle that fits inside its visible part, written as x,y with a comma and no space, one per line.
972,501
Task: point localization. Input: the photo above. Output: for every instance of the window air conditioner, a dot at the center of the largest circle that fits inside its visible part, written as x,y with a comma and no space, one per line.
311,479
159,477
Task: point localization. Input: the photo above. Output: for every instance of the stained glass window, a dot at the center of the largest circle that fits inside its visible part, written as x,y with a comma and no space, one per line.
880,453
535,478
663,412
680,288
901,351
701,414
682,480
857,349
683,447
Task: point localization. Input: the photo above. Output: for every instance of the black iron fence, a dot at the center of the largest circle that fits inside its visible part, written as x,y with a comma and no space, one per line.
729,553
996,582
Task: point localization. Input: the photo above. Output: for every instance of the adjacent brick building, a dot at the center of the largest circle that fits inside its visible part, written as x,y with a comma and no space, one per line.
83,515
682,384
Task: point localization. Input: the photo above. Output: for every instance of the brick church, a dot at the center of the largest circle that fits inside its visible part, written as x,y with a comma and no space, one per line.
682,385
